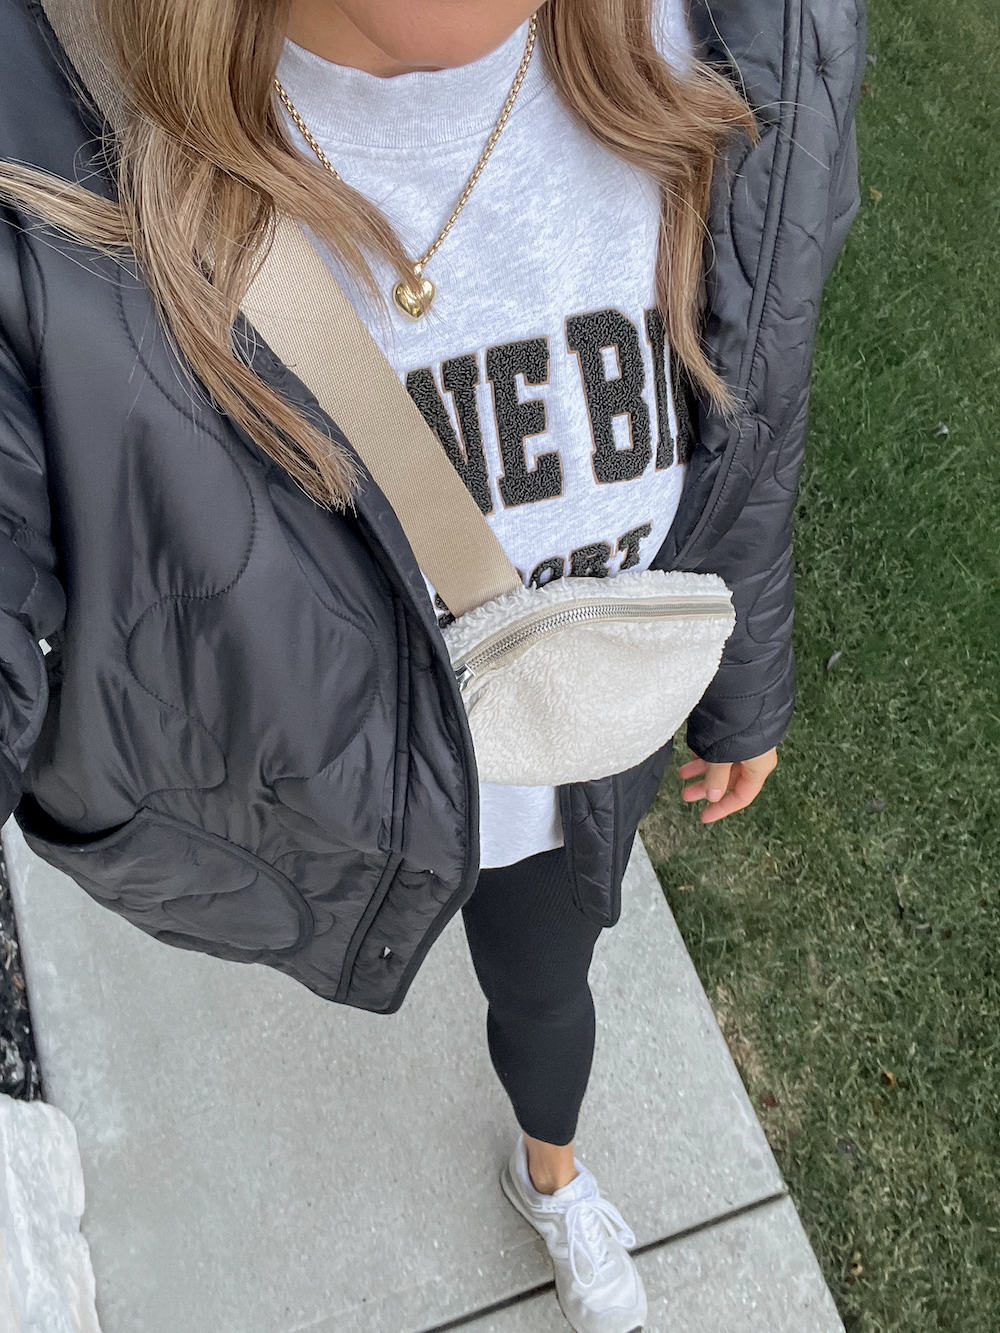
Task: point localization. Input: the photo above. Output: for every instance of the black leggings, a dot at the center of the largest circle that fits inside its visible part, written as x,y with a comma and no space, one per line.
531,948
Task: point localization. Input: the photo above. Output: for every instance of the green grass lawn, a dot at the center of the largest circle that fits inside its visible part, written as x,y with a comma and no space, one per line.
847,925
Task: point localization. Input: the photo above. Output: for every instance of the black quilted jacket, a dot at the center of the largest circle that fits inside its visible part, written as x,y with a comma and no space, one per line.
246,738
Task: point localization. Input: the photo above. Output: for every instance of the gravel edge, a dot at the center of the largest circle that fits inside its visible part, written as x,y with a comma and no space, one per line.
20,1076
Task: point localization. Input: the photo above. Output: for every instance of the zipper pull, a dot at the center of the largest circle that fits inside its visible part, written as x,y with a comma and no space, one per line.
463,674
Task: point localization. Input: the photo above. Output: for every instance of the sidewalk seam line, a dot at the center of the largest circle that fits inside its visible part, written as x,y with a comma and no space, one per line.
496,1306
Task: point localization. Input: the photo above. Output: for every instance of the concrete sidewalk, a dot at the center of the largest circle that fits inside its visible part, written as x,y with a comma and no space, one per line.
257,1160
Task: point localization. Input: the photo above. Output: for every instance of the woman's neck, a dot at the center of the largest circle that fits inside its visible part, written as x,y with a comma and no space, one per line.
325,29
389,37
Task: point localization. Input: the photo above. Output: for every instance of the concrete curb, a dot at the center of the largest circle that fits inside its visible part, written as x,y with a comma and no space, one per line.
46,1278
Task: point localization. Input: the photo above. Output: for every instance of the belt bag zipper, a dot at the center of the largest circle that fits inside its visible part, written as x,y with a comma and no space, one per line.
544,623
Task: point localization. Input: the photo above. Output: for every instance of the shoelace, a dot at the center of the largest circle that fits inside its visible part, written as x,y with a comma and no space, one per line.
587,1221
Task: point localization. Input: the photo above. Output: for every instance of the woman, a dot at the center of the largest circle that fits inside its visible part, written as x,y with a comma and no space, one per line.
246,737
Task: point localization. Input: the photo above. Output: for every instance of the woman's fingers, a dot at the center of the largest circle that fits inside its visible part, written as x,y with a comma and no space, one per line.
715,778
746,786
728,787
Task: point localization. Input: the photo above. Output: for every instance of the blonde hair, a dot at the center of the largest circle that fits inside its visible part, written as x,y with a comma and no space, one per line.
203,165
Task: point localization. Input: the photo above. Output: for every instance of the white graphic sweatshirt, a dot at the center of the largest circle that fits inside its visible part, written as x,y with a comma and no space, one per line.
542,365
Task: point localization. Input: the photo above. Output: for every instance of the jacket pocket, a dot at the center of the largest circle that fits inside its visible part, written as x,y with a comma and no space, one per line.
179,883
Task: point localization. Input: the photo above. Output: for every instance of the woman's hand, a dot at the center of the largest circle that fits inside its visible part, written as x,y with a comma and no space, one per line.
729,787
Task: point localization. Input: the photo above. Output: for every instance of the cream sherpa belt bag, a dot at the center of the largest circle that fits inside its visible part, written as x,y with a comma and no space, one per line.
574,680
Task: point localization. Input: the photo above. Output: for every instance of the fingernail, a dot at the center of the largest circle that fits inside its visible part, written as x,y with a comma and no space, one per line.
715,795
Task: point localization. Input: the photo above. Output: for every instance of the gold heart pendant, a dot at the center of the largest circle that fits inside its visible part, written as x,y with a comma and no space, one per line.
414,303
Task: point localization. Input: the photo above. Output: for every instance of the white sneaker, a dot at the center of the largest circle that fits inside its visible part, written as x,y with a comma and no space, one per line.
597,1283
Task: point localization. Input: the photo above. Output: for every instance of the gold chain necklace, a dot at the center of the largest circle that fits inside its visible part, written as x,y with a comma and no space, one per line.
414,298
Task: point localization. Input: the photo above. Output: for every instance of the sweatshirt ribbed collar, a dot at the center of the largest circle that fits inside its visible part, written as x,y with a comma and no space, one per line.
350,106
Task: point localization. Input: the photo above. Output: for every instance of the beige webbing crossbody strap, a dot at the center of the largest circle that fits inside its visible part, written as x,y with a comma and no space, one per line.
308,322
74,23
306,319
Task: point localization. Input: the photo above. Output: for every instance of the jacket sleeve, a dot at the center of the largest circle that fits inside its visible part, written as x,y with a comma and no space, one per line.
32,603
846,200
747,708
748,705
